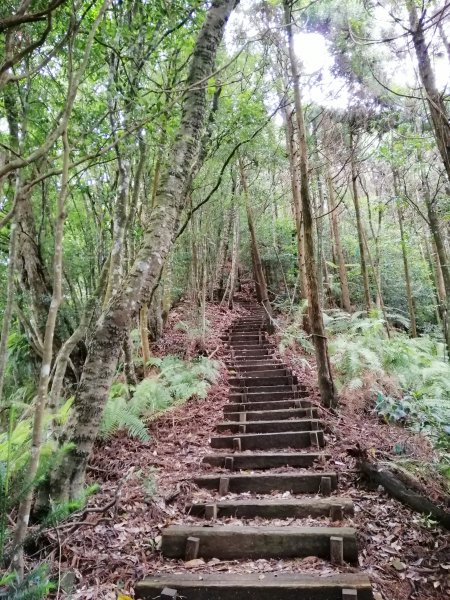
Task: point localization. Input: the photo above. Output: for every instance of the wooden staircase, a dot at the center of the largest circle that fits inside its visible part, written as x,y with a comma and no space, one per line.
268,413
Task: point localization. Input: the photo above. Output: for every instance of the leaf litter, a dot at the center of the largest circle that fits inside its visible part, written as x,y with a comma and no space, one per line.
405,555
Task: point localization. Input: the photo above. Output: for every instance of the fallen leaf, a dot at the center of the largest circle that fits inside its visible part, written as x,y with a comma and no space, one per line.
398,565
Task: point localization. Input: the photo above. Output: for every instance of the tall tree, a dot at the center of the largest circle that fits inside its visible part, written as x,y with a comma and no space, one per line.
114,322
326,386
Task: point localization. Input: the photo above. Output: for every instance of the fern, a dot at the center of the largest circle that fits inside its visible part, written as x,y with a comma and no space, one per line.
118,416
177,381
35,585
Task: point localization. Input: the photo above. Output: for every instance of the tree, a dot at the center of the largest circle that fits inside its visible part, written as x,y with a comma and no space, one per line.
140,283
327,392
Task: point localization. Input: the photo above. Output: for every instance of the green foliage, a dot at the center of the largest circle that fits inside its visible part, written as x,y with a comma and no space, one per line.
35,585
15,445
293,333
61,511
359,346
176,382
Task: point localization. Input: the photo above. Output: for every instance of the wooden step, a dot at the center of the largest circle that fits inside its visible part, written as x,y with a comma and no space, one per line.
250,334
267,405
266,396
262,381
265,389
266,460
272,586
261,365
266,441
250,329
283,508
272,372
257,368
265,483
245,542
239,350
238,354
272,415
270,426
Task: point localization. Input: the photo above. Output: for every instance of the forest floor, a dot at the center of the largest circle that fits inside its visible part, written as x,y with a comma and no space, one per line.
146,486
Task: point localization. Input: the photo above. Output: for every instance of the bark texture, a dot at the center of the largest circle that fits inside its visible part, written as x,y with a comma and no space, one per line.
113,324
359,226
326,386
343,279
435,100
260,277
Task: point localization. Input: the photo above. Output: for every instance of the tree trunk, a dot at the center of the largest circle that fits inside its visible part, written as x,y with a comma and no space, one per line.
444,39
258,268
360,228
234,255
143,332
343,279
433,220
409,295
112,326
435,100
297,201
128,364
8,311
327,392
23,512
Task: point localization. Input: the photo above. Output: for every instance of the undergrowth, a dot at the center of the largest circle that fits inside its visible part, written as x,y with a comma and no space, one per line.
130,407
407,380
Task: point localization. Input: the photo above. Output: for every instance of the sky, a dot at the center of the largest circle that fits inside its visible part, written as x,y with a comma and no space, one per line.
319,84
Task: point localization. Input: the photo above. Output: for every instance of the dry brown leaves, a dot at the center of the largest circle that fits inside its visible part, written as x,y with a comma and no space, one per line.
404,557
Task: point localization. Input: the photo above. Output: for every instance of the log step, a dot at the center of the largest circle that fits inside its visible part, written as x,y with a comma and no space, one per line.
262,353
266,441
273,415
271,460
249,345
231,542
273,372
268,405
264,389
261,381
270,426
277,508
296,483
279,586
244,367
264,396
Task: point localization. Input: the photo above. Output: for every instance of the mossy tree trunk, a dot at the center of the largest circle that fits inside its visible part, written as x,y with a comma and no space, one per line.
68,479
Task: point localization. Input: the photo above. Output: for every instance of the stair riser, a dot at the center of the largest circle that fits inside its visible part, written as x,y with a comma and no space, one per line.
246,509
251,354
246,366
251,382
265,461
266,484
226,586
240,543
267,441
274,415
274,372
270,427
267,396
267,405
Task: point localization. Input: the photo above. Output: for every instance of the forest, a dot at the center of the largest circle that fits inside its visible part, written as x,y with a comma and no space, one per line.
165,162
